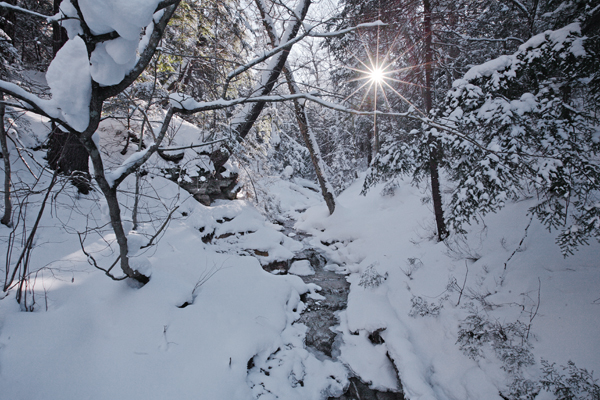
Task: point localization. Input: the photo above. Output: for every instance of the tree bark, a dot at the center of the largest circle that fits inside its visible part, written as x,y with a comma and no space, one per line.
313,147
302,119
252,112
59,34
114,210
6,218
66,153
432,143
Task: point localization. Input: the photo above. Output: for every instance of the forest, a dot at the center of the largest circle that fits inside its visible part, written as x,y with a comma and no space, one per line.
300,199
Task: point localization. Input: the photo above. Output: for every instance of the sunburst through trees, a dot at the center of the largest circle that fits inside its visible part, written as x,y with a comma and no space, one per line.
380,77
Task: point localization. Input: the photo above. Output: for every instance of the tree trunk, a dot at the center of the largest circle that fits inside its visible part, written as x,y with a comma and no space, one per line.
6,156
369,147
431,141
313,148
252,111
66,153
59,34
110,194
302,118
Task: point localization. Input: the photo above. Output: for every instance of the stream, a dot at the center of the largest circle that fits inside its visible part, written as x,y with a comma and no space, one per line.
320,315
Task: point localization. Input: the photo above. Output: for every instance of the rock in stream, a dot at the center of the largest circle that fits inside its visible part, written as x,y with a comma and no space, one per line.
320,317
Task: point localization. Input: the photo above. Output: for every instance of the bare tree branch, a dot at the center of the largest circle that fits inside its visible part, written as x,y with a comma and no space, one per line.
162,227
191,146
148,152
92,261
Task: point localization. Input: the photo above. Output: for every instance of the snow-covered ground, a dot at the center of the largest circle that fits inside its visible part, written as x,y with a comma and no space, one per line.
211,324
407,286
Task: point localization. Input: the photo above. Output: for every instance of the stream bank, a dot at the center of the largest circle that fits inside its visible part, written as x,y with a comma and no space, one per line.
320,316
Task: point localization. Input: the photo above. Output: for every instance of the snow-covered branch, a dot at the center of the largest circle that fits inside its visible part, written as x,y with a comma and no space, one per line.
25,11
187,105
138,159
348,30
31,102
288,44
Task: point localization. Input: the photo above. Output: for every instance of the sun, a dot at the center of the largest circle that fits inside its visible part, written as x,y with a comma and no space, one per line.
377,75
380,77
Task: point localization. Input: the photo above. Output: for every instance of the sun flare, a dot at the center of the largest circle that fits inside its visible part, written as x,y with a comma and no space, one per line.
379,77
376,75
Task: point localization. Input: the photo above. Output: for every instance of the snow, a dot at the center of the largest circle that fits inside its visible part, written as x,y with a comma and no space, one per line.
488,68
104,69
389,232
69,19
113,59
126,17
69,79
301,268
238,337
91,337
148,33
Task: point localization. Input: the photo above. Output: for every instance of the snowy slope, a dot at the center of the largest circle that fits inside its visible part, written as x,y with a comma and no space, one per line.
91,337
406,286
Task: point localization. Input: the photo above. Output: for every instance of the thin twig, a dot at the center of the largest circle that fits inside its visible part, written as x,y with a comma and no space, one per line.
520,243
191,146
29,243
532,316
92,261
464,283
162,227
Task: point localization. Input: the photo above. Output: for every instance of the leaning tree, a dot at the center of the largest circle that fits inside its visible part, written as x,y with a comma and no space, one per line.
109,45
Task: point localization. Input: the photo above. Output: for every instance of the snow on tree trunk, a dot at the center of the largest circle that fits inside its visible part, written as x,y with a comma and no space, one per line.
301,117
245,119
431,141
5,155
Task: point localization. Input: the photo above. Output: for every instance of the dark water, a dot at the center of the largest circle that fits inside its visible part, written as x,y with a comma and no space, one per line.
320,315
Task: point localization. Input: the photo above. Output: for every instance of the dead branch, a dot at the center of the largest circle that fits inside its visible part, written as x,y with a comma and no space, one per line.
92,261
162,227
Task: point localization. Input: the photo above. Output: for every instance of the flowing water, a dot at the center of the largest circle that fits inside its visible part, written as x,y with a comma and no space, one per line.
320,315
